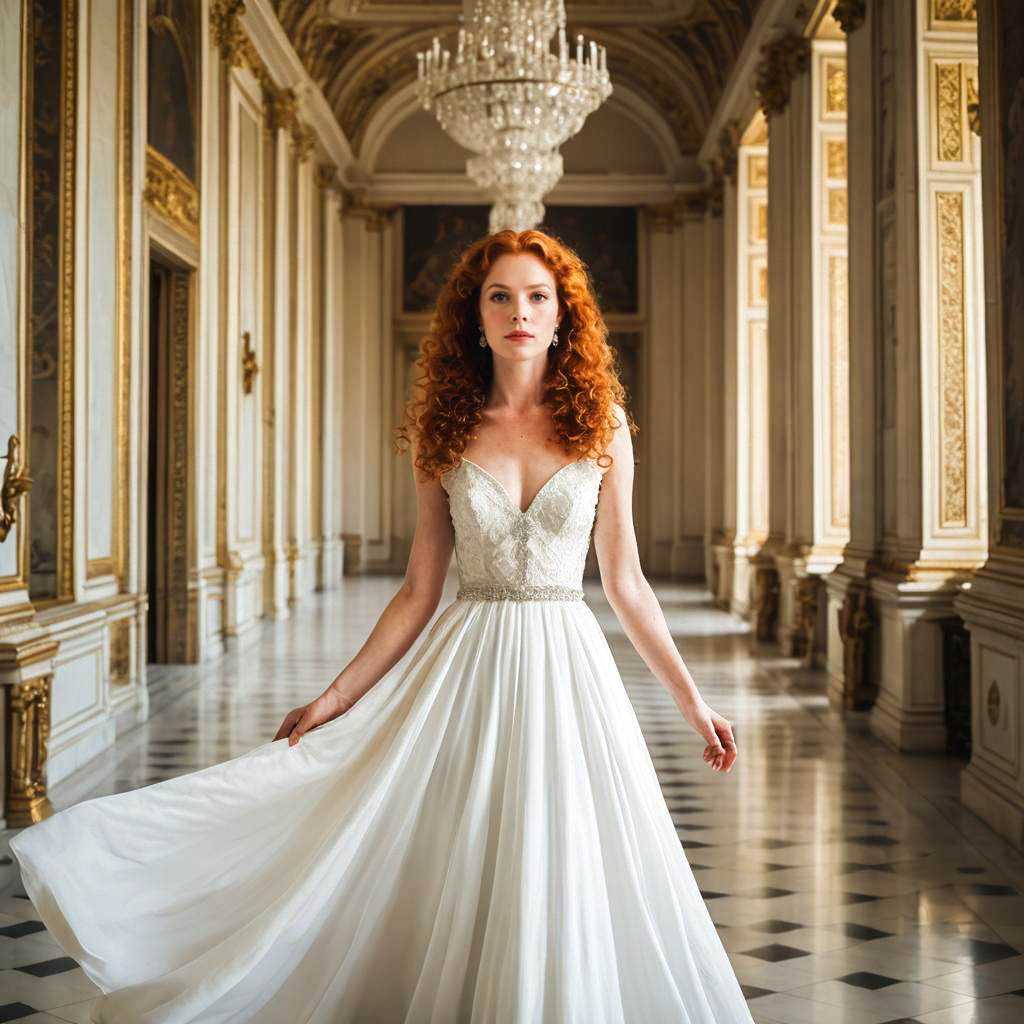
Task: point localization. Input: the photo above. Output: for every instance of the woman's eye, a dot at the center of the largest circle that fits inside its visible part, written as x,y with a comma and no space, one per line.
540,294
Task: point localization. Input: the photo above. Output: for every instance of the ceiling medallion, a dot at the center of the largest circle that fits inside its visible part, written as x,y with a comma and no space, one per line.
513,101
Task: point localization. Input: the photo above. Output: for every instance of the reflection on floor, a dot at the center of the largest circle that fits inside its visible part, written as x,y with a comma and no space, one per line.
848,883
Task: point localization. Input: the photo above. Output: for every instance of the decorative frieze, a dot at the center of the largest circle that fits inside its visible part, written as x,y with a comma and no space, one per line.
952,359
781,61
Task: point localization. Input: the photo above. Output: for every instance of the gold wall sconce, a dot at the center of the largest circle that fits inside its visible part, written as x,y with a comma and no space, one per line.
16,483
249,365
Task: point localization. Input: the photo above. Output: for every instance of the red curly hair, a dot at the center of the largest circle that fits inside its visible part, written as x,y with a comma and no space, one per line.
581,383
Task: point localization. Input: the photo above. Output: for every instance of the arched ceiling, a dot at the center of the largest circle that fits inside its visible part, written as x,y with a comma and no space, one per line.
675,55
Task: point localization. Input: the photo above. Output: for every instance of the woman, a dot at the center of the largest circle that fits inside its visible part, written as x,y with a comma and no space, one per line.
478,835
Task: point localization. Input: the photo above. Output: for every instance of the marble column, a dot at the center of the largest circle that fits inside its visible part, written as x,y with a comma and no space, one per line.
280,182
993,608
933,464
716,537
807,285
746,456
852,681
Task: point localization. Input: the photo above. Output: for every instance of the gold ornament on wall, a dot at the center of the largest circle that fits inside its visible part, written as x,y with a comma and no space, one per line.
16,483
250,367
28,731
171,194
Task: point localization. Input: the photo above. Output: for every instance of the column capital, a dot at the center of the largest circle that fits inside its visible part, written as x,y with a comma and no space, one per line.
781,61
850,14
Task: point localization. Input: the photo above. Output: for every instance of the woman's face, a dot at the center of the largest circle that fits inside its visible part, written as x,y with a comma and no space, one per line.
519,308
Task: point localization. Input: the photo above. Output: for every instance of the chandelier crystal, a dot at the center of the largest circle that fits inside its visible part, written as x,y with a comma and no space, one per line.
512,100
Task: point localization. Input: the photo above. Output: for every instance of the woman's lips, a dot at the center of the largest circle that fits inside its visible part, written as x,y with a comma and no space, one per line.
518,335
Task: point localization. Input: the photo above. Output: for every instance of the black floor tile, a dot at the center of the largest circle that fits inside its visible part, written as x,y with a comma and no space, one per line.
982,952
752,991
774,925
776,951
43,969
15,1011
868,979
765,892
863,931
16,931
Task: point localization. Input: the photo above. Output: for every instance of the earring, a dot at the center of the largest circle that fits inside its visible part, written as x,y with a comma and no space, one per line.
483,339
554,340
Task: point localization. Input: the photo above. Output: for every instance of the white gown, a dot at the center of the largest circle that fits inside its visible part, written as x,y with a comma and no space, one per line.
481,838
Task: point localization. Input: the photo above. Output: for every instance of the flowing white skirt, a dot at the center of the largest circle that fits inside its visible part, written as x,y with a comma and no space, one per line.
481,838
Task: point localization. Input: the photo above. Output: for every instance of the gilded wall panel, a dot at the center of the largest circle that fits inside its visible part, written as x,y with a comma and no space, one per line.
833,103
949,141
838,283
959,15
101,292
757,171
949,219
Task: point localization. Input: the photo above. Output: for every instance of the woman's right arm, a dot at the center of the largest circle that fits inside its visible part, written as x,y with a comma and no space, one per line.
400,623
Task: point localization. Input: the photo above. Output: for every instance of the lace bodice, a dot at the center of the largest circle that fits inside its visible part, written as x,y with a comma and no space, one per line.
505,553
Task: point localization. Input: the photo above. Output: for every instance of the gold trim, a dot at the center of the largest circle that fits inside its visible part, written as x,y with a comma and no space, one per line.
66,479
125,228
838,213
952,359
170,194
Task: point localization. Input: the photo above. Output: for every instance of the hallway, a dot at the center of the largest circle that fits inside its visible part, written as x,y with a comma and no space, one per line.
849,883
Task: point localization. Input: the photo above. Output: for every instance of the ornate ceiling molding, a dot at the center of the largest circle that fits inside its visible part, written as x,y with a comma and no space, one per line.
676,54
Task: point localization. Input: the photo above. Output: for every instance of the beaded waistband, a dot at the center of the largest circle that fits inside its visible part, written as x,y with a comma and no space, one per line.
495,592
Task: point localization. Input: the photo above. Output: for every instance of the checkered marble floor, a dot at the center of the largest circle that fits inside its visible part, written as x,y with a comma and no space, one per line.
848,883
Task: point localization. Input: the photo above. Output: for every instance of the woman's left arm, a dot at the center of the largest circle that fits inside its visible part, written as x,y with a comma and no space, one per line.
636,606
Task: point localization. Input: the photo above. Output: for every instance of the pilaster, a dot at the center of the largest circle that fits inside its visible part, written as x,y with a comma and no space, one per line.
933,462
992,786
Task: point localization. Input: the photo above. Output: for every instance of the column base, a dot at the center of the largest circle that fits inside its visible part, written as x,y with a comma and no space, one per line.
849,636
909,712
992,786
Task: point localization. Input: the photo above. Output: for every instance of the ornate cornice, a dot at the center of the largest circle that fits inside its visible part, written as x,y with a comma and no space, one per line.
850,14
171,194
781,61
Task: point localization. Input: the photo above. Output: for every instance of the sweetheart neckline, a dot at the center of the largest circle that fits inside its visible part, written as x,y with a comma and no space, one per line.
508,497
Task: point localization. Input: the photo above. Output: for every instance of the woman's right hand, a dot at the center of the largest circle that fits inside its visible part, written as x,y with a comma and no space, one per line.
299,721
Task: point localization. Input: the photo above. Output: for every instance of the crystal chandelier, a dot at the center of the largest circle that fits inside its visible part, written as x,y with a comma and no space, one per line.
511,100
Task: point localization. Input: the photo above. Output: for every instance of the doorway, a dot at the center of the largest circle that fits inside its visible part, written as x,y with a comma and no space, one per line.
170,638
